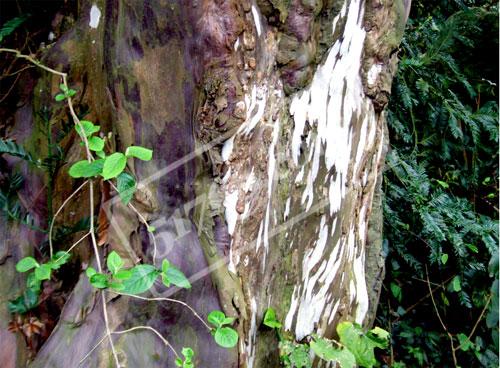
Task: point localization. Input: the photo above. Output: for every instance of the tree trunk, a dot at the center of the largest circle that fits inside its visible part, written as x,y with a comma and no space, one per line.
266,121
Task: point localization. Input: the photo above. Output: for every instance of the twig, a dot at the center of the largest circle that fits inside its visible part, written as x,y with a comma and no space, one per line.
51,248
165,341
73,246
167,300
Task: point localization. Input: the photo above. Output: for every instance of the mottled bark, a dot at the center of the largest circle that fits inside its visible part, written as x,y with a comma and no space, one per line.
266,119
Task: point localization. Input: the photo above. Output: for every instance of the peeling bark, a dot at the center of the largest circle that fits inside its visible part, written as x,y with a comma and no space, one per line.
266,119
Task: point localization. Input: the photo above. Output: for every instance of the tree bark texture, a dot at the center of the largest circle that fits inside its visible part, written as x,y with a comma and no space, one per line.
267,125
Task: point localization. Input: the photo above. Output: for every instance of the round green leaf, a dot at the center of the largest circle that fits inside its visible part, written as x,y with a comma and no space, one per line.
99,281
141,153
43,272
141,279
126,187
113,165
226,337
96,143
85,169
26,264
216,318
176,277
114,262
88,128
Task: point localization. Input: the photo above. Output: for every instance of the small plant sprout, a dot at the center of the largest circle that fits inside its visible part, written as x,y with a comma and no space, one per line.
224,336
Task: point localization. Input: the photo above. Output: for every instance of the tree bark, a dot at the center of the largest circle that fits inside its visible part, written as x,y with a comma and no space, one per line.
267,125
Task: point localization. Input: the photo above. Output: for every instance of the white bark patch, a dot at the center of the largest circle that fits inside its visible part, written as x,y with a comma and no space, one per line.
231,214
256,19
334,101
95,16
373,73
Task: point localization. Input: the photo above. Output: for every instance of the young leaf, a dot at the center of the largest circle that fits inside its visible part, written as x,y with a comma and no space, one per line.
113,165
99,281
59,97
122,275
43,272
100,154
114,262
96,143
216,318
165,264
270,319
176,277
90,271
324,349
85,169
226,337
26,264
444,258
88,128
141,153
141,279
456,284
126,187
116,285
63,88
59,259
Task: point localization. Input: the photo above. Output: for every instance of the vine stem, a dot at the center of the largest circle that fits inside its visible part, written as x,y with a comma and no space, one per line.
90,158
159,299
144,221
51,248
164,340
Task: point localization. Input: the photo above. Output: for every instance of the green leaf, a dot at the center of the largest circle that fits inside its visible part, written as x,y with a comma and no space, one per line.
26,264
323,348
96,144
114,262
114,164
443,184
228,321
59,259
165,264
270,319
71,92
396,291
88,128
456,284
444,258
43,272
33,283
123,275
24,303
141,279
126,187
151,229
360,345
216,318
226,337
59,97
176,277
100,154
141,153
178,362
299,356
116,285
63,87
465,343
85,169
90,271
99,280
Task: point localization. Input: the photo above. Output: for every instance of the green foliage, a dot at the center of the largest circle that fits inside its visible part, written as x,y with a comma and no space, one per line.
441,186
10,147
137,279
29,299
66,93
11,25
188,354
355,348
224,336
270,319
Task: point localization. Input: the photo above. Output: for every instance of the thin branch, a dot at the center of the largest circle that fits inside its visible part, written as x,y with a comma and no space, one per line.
73,246
34,61
51,248
101,340
167,300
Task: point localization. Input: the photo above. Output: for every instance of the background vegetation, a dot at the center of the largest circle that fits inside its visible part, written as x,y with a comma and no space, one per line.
440,300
